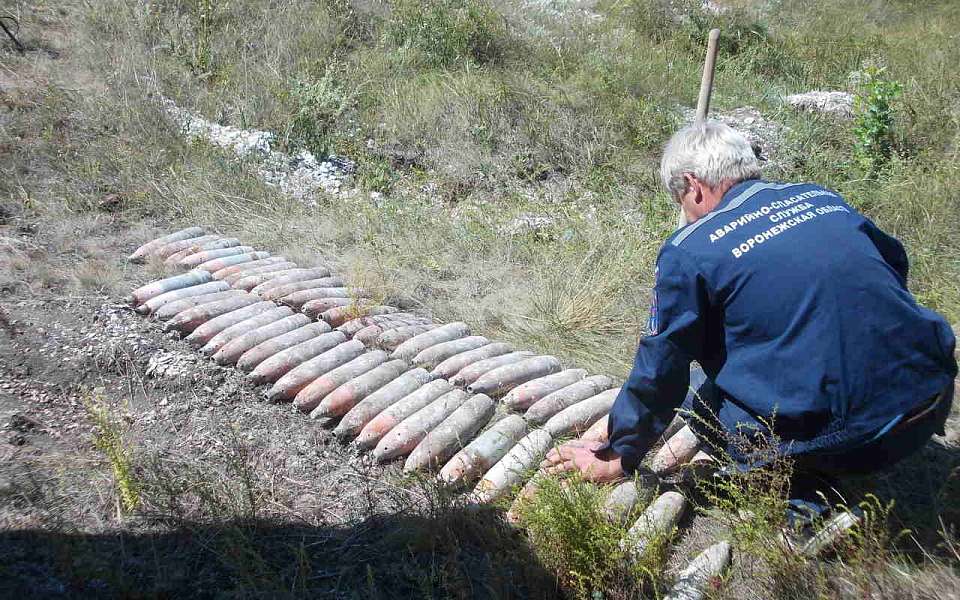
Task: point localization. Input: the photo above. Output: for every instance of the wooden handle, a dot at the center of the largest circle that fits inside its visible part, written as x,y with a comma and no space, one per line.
706,82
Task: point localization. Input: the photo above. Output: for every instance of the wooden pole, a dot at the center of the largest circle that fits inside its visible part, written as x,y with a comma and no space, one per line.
706,89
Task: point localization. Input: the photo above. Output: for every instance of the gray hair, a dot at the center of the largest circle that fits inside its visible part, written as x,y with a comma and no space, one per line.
712,151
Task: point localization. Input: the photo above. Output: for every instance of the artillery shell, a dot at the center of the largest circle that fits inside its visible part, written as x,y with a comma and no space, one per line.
577,418
155,288
279,291
678,451
346,396
399,318
598,432
657,520
486,450
300,375
193,260
391,338
436,354
378,426
697,580
384,320
310,396
417,344
240,328
172,309
256,355
451,435
248,281
474,371
283,362
234,259
235,348
299,299
167,250
524,395
143,251
502,379
378,401
247,267
313,308
340,314
517,465
153,304
403,438
554,402
368,335
172,260
190,319
208,323
293,276
454,364
625,497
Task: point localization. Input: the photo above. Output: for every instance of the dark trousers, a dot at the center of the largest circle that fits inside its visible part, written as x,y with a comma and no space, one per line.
818,471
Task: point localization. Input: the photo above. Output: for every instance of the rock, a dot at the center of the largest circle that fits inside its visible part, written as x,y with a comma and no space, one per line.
834,103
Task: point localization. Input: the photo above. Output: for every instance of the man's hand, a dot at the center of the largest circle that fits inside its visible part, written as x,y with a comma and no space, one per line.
581,456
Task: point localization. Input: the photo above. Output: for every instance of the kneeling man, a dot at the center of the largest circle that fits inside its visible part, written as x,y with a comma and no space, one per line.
797,310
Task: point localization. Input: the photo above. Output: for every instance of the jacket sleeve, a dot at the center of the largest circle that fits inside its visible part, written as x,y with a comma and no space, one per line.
660,377
889,247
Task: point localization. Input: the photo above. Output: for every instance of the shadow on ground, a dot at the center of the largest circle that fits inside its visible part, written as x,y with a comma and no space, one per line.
457,555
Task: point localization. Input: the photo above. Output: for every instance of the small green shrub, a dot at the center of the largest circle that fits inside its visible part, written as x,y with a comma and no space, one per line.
318,107
447,32
874,129
108,439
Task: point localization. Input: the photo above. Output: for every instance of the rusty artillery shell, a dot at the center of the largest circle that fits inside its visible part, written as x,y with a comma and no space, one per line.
384,320
302,297
172,309
391,338
167,250
216,244
241,327
235,259
301,375
658,519
451,435
140,254
577,418
247,267
402,439
235,348
261,352
208,324
696,582
678,451
339,315
153,304
279,291
477,457
378,401
502,379
284,362
313,308
436,354
193,260
373,432
368,335
346,396
310,396
249,280
517,465
456,363
474,371
292,276
598,432
155,288
417,344
554,402
524,395
190,319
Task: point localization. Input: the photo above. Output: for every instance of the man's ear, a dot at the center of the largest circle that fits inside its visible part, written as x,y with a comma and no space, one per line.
694,183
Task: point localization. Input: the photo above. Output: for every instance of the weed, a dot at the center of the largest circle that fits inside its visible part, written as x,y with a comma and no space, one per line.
874,128
448,32
318,106
108,439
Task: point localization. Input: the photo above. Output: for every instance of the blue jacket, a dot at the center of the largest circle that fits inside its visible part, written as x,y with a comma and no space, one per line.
797,307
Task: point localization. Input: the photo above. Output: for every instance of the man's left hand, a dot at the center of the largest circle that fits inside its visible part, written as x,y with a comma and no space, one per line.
583,457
